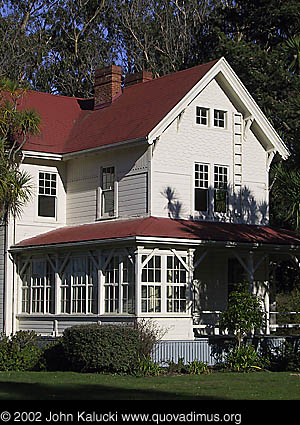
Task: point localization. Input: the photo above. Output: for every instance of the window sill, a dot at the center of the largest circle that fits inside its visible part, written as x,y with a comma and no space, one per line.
107,218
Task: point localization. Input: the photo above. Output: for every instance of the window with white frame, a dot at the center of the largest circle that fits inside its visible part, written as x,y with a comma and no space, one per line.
220,118
220,188
111,286
202,115
201,187
79,286
176,285
108,192
128,287
119,287
151,285
37,288
47,194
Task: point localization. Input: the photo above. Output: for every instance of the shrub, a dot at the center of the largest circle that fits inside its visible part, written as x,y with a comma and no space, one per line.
147,367
54,358
243,358
243,314
286,357
150,334
197,367
102,348
20,352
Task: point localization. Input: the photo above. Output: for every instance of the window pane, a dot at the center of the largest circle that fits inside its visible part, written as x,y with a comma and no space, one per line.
201,199
108,202
201,115
220,201
46,206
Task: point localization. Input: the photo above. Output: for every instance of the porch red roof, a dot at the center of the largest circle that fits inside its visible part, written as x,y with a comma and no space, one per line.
164,228
70,124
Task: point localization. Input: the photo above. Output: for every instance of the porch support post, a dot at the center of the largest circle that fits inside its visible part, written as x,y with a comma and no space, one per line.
251,272
138,280
190,259
100,275
57,285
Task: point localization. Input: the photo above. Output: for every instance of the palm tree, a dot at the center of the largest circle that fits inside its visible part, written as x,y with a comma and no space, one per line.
15,187
286,195
292,46
15,126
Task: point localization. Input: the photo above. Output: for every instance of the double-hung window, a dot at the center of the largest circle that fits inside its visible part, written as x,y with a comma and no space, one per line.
111,286
220,188
151,285
201,187
176,285
128,288
47,194
108,192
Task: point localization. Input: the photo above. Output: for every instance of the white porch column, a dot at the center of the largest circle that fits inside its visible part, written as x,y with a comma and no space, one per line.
190,258
138,280
250,270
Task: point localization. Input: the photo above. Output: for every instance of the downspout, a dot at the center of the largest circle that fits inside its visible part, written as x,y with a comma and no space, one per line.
5,274
13,281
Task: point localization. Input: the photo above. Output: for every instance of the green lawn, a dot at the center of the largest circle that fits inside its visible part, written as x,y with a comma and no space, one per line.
216,386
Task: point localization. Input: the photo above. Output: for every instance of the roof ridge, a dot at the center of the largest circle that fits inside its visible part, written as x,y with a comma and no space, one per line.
171,74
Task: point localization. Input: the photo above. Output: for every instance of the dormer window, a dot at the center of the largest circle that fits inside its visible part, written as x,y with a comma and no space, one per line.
202,115
219,118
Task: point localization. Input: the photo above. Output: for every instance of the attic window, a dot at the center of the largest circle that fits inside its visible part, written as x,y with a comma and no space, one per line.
202,115
219,118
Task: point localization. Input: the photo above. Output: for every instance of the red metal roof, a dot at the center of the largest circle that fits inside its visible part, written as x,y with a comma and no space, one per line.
69,126
164,228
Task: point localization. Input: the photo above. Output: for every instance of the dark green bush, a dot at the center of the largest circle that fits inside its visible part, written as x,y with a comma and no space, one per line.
54,358
102,348
19,352
286,357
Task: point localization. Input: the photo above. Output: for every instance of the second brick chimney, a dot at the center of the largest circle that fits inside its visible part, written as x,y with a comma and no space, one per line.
107,85
138,77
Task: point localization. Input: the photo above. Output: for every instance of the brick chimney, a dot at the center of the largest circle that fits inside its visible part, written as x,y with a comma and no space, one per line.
138,77
107,85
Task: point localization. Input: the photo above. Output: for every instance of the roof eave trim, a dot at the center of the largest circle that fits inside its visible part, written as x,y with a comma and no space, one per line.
17,249
182,104
254,109
223,66
161,240
42,155
70,155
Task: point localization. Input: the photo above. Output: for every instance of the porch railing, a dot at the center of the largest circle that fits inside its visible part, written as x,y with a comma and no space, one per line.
207,320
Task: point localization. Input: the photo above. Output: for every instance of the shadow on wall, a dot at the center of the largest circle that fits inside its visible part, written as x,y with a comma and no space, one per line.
242,207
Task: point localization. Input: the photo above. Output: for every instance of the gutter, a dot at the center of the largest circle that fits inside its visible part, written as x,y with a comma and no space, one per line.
159,240
67,156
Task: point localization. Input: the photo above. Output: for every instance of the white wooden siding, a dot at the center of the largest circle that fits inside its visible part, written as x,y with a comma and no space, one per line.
133,195
30,224
131,167
185,142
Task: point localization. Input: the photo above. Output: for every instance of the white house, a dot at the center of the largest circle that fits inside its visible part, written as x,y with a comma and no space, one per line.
150,201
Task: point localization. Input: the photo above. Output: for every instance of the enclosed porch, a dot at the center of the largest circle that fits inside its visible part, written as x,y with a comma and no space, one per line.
179,274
